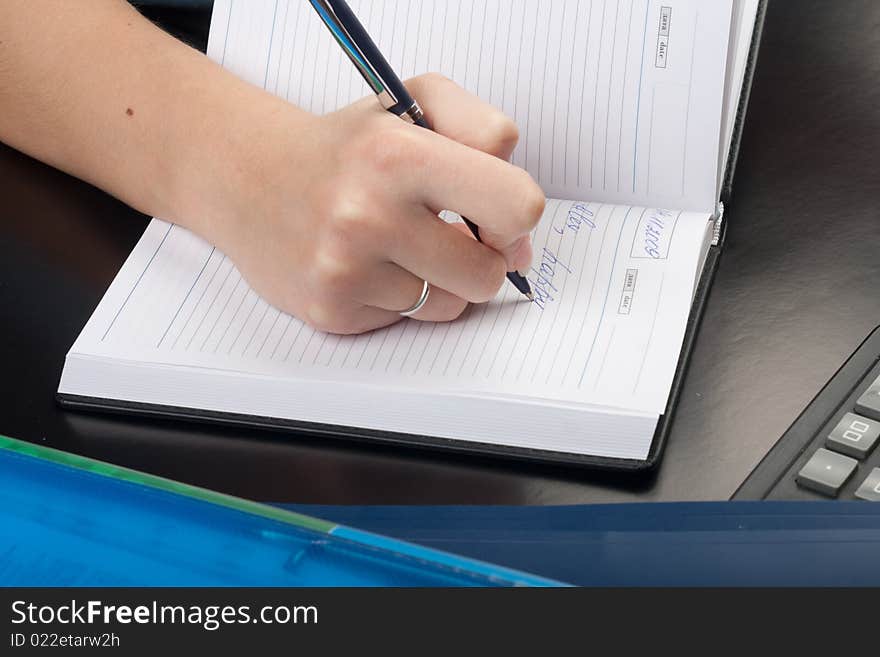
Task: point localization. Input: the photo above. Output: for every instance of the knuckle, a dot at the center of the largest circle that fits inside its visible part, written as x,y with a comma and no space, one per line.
325,317
499,135
392,150
532,203
319,316
333,273
349,220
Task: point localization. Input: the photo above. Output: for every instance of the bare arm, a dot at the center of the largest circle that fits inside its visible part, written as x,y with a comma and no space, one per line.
330,218
98,91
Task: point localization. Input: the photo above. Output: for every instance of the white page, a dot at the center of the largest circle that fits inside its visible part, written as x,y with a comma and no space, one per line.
611,107
613,287
510,422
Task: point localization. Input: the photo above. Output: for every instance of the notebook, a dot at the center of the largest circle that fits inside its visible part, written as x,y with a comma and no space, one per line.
628,114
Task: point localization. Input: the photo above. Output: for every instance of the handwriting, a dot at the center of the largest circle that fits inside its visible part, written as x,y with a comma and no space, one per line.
542,282
578,216
653,233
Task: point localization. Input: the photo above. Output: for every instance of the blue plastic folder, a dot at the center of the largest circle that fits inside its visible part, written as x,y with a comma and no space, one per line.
71,521
66,520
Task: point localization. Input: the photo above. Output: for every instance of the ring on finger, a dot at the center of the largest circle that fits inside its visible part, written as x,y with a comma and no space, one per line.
423,299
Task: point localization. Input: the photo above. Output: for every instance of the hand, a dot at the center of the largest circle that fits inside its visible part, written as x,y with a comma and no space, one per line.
334,219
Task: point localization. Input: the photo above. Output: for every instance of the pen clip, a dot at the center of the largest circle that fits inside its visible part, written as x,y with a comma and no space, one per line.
343,37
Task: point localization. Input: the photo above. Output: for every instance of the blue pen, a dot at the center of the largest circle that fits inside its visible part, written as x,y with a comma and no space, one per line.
391,92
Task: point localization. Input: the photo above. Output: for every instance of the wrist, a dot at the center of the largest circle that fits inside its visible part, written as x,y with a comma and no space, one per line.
229,150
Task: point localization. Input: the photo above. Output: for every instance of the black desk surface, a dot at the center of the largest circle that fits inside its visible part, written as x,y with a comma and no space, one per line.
796,292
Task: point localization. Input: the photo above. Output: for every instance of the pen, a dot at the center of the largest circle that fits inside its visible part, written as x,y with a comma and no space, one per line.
391,92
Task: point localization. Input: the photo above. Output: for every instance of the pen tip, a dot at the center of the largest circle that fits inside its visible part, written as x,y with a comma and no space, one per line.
530,296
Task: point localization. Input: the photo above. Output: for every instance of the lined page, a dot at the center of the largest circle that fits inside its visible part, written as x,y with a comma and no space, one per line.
613,289
618,102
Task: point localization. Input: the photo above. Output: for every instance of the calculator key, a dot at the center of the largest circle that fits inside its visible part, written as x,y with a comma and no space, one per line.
854,436
826,472
870,488
869,403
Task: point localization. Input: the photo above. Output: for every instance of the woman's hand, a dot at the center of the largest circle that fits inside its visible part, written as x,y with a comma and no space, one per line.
334,219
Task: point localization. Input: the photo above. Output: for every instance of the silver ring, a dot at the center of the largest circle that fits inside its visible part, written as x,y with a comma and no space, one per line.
423,299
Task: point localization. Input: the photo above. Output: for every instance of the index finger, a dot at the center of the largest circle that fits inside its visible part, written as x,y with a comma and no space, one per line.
456,113
502,199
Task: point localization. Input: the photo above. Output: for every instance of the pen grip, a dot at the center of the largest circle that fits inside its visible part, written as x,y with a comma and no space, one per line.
516,278
423,123
474,228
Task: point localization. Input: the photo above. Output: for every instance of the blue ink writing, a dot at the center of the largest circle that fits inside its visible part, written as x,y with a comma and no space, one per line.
654,233
578,216
543,275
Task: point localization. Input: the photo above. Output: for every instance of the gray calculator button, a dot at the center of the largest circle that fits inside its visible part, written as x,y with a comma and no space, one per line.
854,436
869,403
870,488
826,472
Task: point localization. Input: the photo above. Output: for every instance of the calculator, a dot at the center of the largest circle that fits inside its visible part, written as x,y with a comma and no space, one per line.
832,451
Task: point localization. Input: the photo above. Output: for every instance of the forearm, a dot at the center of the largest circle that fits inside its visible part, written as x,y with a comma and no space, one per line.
95,89
331,218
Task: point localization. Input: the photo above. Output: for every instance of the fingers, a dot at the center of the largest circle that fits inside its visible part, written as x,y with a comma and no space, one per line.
503,200
437,172
448,257
365,318
371,207
388,291
500,198
463,117
395,289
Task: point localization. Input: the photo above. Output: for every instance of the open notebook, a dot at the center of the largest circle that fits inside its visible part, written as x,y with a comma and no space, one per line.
627,111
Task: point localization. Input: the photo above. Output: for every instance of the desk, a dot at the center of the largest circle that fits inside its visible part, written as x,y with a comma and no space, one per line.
795,294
